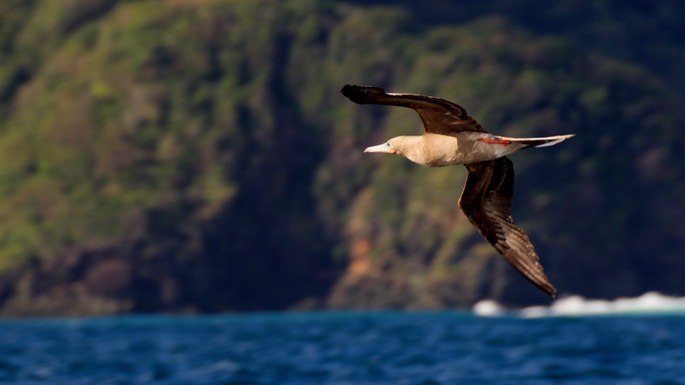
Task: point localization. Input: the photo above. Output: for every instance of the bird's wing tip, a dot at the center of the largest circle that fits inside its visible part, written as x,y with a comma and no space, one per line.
361,94
346,88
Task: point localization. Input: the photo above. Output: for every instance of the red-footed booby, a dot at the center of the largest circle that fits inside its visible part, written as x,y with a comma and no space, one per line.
452,137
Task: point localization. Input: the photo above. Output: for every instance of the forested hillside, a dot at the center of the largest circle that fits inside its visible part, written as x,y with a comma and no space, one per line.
186,155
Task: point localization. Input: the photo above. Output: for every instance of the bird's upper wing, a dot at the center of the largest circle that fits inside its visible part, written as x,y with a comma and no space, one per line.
438,115
486,201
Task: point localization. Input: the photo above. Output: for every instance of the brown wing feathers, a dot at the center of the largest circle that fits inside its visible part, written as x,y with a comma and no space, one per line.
486,201
439,116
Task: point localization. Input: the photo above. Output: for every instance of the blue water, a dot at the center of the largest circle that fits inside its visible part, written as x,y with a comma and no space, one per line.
344,348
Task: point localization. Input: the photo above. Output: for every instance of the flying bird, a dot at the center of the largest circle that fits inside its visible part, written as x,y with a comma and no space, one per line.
452,137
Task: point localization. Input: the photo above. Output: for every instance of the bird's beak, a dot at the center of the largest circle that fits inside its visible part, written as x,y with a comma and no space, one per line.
381,148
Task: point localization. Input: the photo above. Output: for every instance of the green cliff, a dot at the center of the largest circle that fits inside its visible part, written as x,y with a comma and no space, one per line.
197,155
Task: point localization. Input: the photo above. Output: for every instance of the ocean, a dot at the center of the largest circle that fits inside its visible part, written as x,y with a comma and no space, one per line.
345,348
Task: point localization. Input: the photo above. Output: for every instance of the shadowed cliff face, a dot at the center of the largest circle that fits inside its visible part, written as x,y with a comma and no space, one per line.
278,249
183,156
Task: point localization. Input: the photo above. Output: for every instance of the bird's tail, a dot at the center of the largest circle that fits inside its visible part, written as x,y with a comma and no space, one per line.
539,142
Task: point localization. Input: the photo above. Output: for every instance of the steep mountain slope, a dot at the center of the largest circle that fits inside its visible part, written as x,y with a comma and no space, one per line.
197,156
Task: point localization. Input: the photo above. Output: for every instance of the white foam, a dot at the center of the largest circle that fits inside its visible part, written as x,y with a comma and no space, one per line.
575,305
488,308
651,302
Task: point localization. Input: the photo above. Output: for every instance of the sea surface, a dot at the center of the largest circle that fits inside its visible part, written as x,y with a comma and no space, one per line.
346,348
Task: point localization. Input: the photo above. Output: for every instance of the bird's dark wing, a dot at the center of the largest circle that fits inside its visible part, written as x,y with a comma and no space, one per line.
438,115
486,201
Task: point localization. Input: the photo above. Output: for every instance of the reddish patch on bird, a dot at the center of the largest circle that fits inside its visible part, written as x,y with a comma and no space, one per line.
496,141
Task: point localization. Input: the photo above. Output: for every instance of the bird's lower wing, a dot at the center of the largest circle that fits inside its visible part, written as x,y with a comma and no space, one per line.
486,201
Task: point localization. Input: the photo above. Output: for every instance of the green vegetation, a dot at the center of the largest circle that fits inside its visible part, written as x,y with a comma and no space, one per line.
198,156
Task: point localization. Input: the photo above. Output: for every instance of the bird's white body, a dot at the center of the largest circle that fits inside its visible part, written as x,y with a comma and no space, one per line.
437,150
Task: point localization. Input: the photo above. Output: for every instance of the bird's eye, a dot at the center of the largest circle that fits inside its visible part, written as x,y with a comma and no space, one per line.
387,144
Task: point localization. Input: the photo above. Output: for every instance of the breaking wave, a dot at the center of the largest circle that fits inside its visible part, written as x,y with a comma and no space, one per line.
648,303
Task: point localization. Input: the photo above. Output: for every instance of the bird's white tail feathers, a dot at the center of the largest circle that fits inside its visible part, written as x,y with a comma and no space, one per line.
542,141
